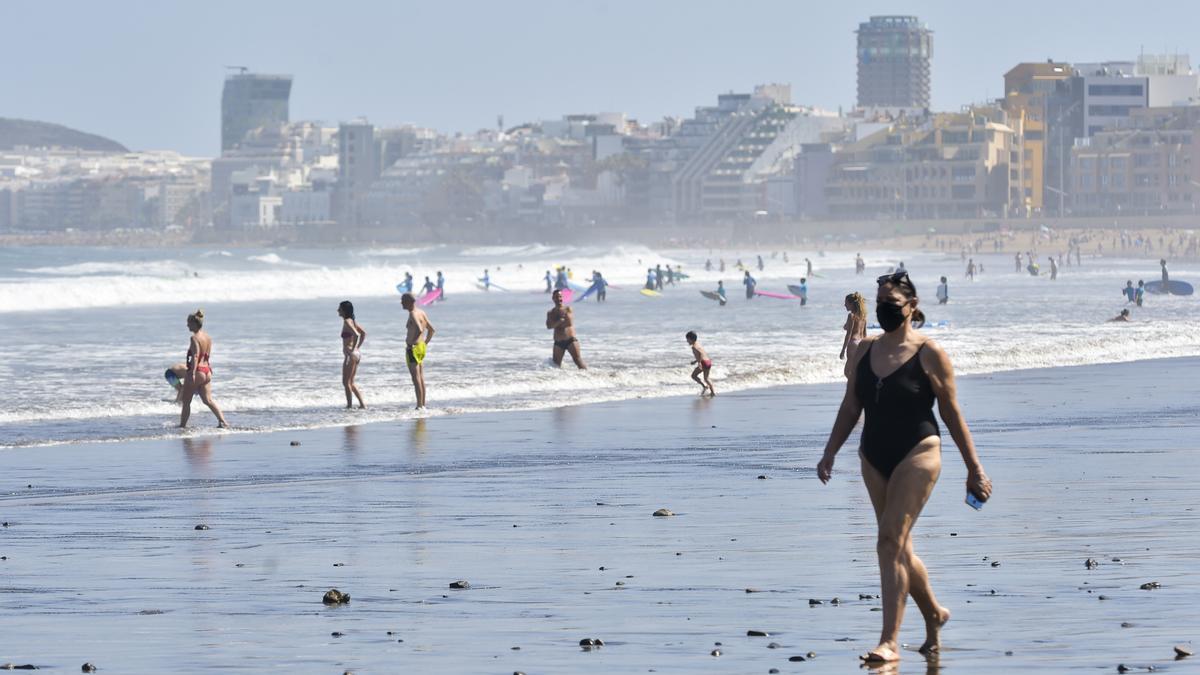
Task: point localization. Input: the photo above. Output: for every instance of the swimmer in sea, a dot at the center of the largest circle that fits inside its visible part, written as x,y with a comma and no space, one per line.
561,320
1123,317
703,364
900,452
416,345
353,336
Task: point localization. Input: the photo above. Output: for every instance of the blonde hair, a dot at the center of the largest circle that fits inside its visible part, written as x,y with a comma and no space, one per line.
197,318
858,304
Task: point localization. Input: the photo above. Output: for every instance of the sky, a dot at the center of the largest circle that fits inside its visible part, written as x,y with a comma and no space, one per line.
148,74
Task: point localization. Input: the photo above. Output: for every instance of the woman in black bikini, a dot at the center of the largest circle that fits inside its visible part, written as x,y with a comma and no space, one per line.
901,451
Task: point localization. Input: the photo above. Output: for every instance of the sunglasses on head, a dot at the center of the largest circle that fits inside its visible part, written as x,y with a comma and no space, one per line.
894,278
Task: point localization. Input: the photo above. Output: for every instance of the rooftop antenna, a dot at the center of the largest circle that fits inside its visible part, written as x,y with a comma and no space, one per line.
244,69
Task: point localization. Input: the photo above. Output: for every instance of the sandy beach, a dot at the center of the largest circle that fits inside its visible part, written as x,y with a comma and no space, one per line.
547,514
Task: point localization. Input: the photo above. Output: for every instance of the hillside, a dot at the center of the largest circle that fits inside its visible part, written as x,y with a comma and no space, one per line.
14,132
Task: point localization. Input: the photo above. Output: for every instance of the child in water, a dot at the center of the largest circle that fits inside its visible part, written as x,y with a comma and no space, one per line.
703,364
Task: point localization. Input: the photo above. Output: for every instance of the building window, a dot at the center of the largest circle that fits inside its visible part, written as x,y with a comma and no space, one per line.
1115,90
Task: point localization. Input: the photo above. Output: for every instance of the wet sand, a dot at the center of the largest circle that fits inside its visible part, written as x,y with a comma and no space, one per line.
546,512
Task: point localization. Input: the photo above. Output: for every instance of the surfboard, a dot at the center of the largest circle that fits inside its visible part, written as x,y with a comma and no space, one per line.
429,297
591,289
681,275
778,296
1175,287
576,287
651,294
567,295
404,287
713,295
794,289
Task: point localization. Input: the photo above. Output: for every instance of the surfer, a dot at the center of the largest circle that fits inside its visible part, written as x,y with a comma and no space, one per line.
1140,295
708,265
760,263
749,282
971,269
943,292
561,320
416,344
441,286
601,286
650,279
407,283
1018,261
549,282
803,288
1129,292
901,451
722,269
658,277
486,281
1053,268
703,364
721,292
808,268
670,276
860,265
198,378
353,336
560,278
1123,317
855,327
428,287
1166,278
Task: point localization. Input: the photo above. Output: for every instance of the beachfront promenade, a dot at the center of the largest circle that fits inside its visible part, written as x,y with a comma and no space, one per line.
547,515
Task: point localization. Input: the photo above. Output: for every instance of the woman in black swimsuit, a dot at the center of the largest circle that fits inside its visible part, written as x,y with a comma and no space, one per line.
901,451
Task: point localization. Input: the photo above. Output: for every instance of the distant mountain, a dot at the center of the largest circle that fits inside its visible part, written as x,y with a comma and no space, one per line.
15,132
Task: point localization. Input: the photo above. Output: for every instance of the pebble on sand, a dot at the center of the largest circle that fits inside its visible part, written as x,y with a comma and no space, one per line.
1150,585
757,633
591,642
88,667
294,443
796,658
336,634
201,526
13,666
715,652
460,584
1183,651
1091,563
663,513
813,602
773,671
335,597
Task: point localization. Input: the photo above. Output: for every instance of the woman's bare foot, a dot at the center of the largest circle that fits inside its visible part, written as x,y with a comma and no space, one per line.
933,630
884,653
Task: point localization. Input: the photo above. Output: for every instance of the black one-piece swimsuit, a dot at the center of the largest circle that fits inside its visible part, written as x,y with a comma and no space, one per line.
899,411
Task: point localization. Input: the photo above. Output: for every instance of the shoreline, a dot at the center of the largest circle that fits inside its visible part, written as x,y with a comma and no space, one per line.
547,514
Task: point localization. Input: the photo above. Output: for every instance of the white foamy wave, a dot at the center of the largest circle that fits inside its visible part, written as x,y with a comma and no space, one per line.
157,268
275,259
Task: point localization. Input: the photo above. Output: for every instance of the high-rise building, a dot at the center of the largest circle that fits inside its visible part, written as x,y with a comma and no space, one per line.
250,101
893,62
1028,90
358,168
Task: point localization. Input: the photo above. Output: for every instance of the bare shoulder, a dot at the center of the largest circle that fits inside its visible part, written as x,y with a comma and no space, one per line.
934,357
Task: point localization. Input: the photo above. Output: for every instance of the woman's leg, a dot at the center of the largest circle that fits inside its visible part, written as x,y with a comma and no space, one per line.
354,387
898,502
206,397
185,397
348,379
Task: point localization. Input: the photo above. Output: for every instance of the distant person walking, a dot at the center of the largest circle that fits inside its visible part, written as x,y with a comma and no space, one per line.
561,320
441,286
353,335
198,379
416,345
901,451
1018,260
749,282
860,265
808,268
803,288
1166,278
855,327
703,364
549,282
971,269
651,279
1140,295
428,287
1053,268
721,293
1129,292
943,292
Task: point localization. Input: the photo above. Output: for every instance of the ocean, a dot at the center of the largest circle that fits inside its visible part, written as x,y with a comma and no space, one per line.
86,333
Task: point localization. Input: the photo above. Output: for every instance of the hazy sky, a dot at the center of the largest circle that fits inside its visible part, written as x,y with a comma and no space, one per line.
149,74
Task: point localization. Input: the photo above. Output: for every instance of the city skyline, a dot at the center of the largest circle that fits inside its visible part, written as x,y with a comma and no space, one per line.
149,85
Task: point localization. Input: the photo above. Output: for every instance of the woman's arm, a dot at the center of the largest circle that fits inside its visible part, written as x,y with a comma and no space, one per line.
193,357
846,338
362,334
937,366
843,425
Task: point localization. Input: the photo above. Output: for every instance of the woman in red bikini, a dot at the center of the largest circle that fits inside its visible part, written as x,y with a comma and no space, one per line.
199,373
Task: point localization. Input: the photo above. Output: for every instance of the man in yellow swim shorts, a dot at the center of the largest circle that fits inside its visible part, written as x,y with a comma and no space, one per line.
420,332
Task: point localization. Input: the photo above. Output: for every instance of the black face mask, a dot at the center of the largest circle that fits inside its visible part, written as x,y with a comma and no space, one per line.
890,316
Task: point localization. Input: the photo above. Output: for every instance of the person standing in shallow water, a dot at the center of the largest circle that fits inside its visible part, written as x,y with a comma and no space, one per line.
855,327
416,345
900,451
353,335
198,379
561,320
